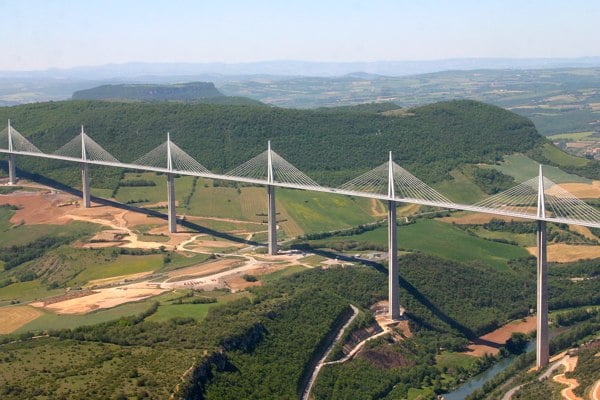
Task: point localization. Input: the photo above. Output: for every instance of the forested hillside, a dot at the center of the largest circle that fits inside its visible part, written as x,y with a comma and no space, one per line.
330,145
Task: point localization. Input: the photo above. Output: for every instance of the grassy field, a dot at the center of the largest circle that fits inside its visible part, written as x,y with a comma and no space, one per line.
122,265
318,212
152,194
444,240
50,320
460,189
571,136
558,156
448,359
273,276
102,193
523,239
244,203
26,291
169,309
523,168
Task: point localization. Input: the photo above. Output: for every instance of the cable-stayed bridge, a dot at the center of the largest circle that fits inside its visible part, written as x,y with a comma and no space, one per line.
537,199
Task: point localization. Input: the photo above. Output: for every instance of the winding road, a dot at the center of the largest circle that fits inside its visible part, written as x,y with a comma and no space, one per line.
321,362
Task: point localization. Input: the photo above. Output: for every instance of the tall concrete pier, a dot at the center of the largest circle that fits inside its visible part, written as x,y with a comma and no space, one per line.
272,221
12,170
543,346
85,184
172,212
393,276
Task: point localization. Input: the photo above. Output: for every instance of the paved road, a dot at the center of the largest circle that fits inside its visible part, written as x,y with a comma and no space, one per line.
313,377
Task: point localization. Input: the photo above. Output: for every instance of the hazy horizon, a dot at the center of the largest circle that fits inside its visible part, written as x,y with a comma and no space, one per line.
39,35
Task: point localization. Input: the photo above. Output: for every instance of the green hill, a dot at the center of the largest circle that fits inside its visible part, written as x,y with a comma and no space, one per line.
205,92
331,146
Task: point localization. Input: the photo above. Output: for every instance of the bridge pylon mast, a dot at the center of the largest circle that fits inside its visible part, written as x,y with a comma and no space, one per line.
393,274
272,212
12,162
85,173
542,345
172,212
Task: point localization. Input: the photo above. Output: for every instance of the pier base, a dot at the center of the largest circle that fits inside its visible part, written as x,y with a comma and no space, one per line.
394,285
172,212
542,346
272,221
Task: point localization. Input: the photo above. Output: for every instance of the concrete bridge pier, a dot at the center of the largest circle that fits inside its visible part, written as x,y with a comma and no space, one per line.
12,169
272,221
85,185
394,285
172,212
542,347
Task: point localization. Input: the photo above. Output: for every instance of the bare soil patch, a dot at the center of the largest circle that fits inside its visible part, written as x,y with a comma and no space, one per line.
580,190
385,357
44,207
584,230
562,253
12,318
106,298
490,343
73,294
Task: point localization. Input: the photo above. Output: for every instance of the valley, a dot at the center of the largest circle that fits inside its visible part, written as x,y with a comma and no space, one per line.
114,287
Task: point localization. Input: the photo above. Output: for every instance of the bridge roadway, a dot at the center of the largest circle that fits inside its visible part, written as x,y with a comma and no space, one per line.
324,189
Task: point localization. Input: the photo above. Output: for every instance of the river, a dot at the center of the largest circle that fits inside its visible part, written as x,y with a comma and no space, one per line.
479,380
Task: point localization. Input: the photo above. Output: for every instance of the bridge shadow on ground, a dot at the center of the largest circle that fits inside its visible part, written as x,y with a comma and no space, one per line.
404,284
128,207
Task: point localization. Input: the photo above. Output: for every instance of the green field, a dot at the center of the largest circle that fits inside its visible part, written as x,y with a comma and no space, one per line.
448,359
68,321
571,136
169,309
152,194
273,276
460,189
319,212
123,265
222,202
26,291
523,168
444,240
522,239
561,158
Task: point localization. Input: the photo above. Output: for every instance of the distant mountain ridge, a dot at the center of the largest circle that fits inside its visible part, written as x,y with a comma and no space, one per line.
302,68
193,91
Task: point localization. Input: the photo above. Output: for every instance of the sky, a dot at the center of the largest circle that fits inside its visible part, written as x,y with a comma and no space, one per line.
42,34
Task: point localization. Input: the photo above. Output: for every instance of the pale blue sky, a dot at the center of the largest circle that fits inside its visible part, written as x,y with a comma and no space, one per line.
40,34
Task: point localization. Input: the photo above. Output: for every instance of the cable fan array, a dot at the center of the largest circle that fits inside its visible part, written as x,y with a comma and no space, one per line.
283,172
406,185
269,167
